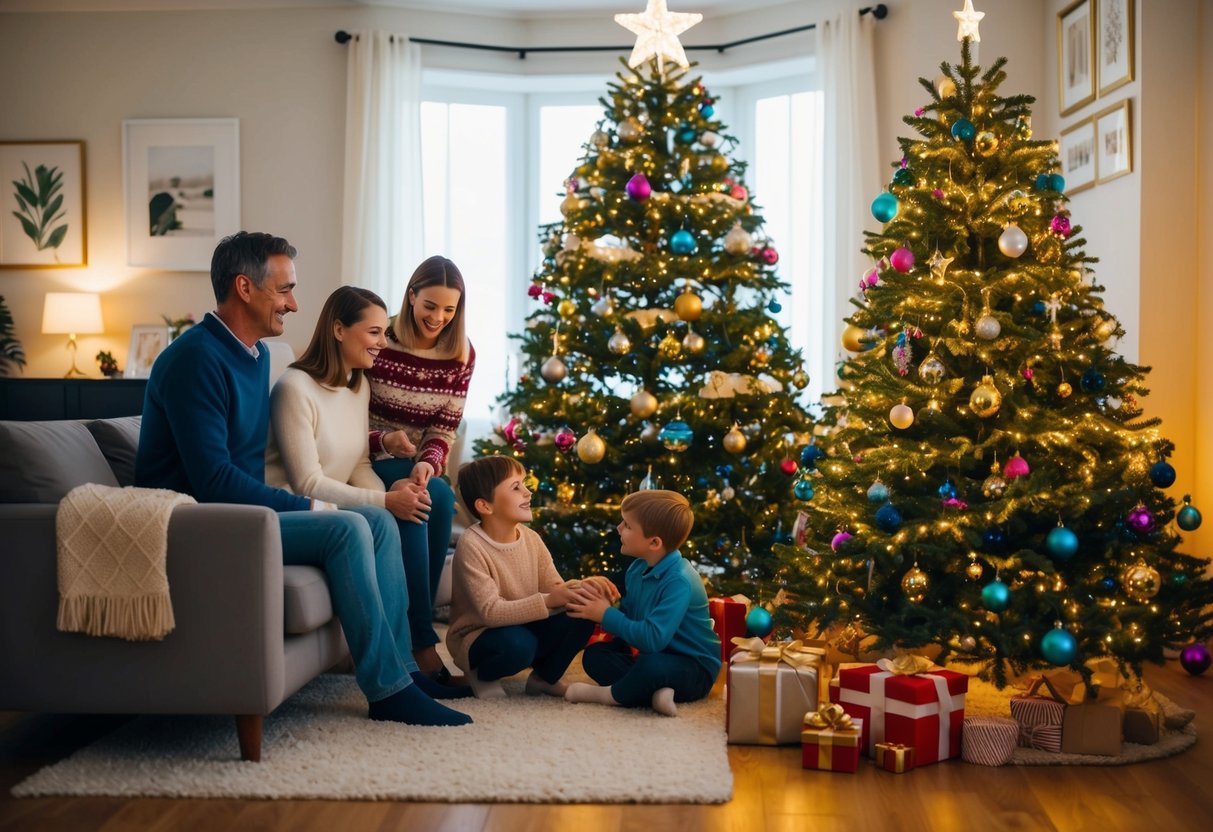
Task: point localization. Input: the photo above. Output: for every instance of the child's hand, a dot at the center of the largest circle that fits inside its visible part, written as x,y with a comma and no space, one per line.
560,595
588,603
604,586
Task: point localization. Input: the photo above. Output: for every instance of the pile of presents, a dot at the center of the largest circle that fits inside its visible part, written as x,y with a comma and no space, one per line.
906,712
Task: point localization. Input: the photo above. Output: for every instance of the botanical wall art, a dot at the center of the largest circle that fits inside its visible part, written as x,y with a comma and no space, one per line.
1075,56
1114,43
42,222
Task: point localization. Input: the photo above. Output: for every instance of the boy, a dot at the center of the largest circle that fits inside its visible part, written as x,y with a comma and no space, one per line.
664,614
506,595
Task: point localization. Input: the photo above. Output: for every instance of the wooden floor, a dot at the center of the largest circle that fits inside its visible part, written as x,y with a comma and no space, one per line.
771,792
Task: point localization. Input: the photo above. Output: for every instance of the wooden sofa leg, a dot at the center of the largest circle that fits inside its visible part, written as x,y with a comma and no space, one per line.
248,729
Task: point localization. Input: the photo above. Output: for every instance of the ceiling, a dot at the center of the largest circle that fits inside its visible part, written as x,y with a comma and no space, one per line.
499,8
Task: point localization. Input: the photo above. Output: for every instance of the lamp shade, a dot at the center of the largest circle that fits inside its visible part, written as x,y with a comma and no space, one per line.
72,313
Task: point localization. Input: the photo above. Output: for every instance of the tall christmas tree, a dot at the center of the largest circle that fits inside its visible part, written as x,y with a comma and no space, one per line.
990,484
652,357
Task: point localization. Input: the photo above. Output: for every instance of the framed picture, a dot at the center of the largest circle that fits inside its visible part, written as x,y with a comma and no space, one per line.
1078,156
1075,56
147,342
42,222
182,189
1114,43
1114,142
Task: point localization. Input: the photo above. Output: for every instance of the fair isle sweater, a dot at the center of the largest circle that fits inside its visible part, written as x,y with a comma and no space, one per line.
421,394
496,585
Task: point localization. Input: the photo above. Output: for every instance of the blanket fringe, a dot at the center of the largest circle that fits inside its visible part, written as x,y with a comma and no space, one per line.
135,618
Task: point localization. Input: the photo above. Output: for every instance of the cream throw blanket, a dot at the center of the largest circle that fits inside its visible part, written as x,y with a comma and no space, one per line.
112,545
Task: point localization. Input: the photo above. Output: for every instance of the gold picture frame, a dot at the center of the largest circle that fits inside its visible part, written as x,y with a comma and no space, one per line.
43,222
1079,156
1114,142
1076,56
1115,23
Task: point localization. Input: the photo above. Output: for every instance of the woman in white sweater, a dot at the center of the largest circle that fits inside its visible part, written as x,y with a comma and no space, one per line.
318,437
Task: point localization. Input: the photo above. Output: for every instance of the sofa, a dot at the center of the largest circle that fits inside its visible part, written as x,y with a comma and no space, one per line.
249,630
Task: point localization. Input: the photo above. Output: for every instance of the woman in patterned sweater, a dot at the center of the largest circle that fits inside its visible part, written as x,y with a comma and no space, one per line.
419,384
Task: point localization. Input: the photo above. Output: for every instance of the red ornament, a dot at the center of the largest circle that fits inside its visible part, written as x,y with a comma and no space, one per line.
548,297
564,439
739,192
534,290
788,466
770,256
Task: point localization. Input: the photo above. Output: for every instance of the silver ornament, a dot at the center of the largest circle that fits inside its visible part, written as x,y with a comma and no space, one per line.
931,370
988,327
603,307
1013,242
553,370
619,343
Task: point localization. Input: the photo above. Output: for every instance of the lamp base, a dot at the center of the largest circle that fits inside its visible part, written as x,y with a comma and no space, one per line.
74,371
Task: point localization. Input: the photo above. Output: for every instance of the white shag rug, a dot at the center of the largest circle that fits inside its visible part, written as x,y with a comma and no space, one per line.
320,744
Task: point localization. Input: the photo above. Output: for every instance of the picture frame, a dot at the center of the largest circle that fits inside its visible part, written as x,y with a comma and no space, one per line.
182,189
1075,56
1114,38
147,342
1114,142
1079,156
43,224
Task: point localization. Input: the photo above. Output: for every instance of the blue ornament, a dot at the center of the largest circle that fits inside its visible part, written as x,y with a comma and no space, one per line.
995,596
803,490
1092,380
1038,308
888,518
1057,182
676,436
707,110
878,492
1108,584
724,470
947,491
758,623
813,452
1061,543
683,242
964,130
1043,182
1162,474
686,134
902,176
774,306
1188,518
993,540
884,207
1058,647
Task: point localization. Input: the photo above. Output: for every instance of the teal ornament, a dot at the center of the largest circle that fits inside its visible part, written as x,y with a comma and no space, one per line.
1093,380
1061,543
803,490
1043,182
947,491
995,596
758,623
964,130
1162,474
1059,647
885,207
902,176
707,110
1057,182
686,134
683,242
676,436
1188,518
878,492
888,518
774,307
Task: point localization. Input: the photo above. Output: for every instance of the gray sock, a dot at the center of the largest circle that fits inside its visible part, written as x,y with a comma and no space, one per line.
581,692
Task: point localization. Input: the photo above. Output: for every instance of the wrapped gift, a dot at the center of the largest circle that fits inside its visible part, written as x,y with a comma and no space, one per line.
908,701
770,689
1039,719
988,740
830,739
1142,727
728,620
1091,716
894,757
1093,728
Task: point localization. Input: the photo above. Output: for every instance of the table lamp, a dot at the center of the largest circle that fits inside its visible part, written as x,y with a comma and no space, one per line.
72,314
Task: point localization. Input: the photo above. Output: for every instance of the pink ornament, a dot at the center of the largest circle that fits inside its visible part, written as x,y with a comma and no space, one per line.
534,290
871,277
788,466
952,502
1016,466
548,297
1028,373
564,439
839,539
638,187
514,433
918,112
1140,519
1061,226
770,256
902,259
739,192
937,193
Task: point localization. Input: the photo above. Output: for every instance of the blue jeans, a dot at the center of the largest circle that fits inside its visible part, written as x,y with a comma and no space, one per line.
359,551
423,546
548,645
634,679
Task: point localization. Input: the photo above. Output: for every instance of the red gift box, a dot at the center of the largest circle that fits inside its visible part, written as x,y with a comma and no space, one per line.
828,743
728,620
894,757
900,702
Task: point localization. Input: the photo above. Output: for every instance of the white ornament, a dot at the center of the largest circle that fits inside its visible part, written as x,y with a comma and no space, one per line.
1013,242
968,18
738,241
603,307
988,327
657,31
709,138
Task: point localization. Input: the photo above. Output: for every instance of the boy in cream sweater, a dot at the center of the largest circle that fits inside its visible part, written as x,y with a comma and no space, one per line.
507,598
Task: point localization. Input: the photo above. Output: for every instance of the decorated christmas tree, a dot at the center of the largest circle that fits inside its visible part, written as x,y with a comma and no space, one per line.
652,357
989,483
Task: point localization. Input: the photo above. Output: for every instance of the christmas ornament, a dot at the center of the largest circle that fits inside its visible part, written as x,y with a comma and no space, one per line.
915,584
903,354
571,203
1064,390
683,242
963,130
994,485
901,416
709,138
788,466
649,434
619,343
769,255
901,176
810,454
669,348
878,492
553,370
599,139
638,187
985,399
1092,380
564,440
738,241
1013,242
947,491
884,206
515,433
931,370
987,327
967,20
945,86
853,338
839,539
902,259
630,130
1104,329
995,596
986,143
803,490
1058,646
676,436
888,518
1057,182
566,308
1188,518
1141,581
974,570
1060,225
706,110
565,492
1195,658
603,307
734,441
1140,519
993,540
800,379
688,306
590,448
1162,474
758,623
1061,543
643,404
693,342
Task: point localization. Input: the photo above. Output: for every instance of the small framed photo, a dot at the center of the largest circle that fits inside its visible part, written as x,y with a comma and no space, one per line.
42,224
1114,142
147,342
182,181
1114,43
1075,56
1078,156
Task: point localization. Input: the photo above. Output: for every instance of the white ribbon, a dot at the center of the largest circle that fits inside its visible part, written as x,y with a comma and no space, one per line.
878,706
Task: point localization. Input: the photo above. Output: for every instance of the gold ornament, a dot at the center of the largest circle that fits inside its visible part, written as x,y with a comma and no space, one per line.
901,416
590,448
945,86
1064,390
630,130
915,584
553,370
599,138
853,337
931,370
693,342
566,308
565,492
571,203
800,379
1019,202
986,143
994,485
738,241
974,570
531,482
688,306
619,343
669,346
734,440
1105,328
644,404
985,400
1141,581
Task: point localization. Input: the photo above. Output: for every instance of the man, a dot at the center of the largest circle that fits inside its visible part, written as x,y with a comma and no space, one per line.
205,422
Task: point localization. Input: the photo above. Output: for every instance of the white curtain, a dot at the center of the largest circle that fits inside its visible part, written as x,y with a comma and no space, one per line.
382,225
851,162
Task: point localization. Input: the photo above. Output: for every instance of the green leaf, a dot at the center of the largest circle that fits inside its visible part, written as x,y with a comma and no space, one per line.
56,237
31,230
28,195
48,216
44,182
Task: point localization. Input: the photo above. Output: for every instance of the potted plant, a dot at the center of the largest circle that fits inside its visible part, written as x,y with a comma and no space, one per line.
108,364
12,354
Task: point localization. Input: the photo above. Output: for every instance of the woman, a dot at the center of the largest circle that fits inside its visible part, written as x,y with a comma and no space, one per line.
419,384
317,444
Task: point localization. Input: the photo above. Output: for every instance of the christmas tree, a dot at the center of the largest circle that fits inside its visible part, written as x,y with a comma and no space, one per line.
652,358
989,483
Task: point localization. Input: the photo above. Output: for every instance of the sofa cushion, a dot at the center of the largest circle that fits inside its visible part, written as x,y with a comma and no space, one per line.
307,604
118,440
41,461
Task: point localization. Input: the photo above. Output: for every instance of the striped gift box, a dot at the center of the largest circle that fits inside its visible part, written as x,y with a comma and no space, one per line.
1039,721
988,740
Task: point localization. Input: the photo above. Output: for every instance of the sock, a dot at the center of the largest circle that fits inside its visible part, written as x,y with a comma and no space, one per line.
536,685
436,690
413,707
582,692
663,702
485,689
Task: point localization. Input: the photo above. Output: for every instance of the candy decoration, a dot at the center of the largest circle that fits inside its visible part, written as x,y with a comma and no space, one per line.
995,596
1061,543
1188,518
1162,474
1058,646
885,206
1195,658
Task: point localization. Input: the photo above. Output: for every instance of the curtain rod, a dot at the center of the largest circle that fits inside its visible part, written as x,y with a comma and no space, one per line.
880,11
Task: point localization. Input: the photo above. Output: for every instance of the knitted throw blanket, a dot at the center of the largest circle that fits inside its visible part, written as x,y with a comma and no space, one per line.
112,547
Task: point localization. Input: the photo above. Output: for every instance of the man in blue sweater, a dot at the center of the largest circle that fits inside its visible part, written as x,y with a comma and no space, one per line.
663,615
205,423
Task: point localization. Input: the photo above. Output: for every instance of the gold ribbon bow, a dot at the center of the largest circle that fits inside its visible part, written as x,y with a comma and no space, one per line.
906,664
796,655
830,717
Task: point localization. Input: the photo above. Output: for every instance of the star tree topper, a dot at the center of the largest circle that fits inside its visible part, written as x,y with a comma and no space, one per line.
657,33
968,17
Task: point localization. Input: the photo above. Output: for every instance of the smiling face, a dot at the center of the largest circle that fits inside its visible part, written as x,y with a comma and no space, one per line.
632,539
269,303
432,308
360,343
511,501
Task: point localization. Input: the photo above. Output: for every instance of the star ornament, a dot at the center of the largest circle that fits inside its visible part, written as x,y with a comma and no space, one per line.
657,31
968,18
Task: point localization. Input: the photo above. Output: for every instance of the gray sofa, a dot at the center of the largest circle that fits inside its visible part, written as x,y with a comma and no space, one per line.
249,631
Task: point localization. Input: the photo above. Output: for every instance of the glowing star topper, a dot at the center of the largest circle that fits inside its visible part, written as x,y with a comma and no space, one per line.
657,32
968,18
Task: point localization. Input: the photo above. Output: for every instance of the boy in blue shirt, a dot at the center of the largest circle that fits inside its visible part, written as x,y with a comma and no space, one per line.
663,614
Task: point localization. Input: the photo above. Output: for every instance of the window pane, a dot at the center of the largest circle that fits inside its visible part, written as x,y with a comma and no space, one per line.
562,132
